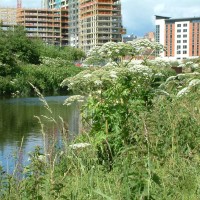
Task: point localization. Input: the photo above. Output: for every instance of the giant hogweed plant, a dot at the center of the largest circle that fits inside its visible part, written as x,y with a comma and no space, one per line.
115,53
116,92
183,84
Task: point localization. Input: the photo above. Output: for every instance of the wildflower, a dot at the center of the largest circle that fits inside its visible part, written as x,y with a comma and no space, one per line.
181,76
194,82
195,67
74,98
79,145
146,71
171,78
113,74
87,75
98,82
183,92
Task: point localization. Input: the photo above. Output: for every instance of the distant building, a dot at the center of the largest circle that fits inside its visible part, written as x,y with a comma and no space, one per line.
78,23
150,36
8,17
91,22
49,25
180,36
129,38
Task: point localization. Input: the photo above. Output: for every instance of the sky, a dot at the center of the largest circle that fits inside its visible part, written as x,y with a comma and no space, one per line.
138,15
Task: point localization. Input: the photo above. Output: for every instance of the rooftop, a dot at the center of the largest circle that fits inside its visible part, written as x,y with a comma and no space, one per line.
169,19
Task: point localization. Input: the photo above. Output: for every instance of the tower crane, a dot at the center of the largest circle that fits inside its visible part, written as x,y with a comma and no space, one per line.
19,3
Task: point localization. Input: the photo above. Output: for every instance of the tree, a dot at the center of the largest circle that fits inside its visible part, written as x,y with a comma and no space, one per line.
16,47
23,47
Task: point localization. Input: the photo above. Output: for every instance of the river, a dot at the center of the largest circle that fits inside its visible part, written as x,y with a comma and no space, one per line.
19,124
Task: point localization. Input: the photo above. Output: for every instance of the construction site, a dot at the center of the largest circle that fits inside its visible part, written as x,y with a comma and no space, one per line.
77,23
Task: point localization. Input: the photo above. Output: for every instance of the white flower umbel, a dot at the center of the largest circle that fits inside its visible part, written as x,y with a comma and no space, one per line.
74,98
194,82
87,75
98,82
140,69
113,74
183,92
195,67
79,145
171,78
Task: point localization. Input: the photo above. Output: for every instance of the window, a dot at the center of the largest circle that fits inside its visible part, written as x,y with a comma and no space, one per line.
178,47
184,30
178,52
184,35
184,25
184,46
184,41
184,52
178,41
178,25
178,36
178,30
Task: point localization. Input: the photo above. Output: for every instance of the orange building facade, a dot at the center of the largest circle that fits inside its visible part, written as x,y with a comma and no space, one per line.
49,25
92,22
77,23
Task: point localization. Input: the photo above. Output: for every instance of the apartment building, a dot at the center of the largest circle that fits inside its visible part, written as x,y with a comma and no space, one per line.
57,3
73,15
78,23
92,22
180,36
49,25
8,17
150,36
100,22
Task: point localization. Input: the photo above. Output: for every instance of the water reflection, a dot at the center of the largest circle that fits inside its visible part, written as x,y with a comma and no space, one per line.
17,121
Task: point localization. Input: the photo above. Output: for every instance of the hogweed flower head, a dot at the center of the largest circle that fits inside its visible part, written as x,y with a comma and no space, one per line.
73,99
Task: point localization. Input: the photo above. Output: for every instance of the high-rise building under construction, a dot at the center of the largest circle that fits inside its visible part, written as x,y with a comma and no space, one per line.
78,23
91,22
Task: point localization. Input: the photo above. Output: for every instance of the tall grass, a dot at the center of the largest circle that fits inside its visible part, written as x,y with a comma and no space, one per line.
162,164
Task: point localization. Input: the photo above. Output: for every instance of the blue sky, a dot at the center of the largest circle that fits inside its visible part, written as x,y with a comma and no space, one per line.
138,15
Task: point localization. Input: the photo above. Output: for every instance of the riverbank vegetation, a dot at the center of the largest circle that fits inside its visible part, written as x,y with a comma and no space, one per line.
24,60
141,125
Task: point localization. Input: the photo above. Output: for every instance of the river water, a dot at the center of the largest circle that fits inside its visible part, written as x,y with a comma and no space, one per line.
19,119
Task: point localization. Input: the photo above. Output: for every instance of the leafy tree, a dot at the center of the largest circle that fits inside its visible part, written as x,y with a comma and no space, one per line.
65,53
23,47
16,47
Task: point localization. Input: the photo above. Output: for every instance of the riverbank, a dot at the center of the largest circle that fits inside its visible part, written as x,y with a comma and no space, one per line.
46,78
